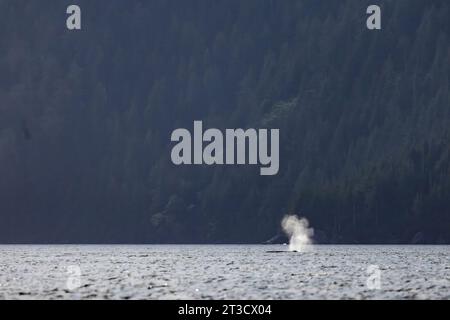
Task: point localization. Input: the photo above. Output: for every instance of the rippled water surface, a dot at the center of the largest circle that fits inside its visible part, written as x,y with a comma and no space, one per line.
224,272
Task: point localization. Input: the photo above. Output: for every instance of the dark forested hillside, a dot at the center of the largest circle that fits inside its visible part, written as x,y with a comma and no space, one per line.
86,118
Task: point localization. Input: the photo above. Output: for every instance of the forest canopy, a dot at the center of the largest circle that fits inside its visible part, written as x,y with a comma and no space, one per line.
86,118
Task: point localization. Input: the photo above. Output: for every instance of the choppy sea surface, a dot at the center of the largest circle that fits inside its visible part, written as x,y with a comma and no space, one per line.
224,272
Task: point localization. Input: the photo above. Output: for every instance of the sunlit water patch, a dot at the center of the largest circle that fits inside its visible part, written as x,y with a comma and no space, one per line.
224,272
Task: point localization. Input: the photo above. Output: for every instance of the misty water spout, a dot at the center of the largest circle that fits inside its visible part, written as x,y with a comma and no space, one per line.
298,231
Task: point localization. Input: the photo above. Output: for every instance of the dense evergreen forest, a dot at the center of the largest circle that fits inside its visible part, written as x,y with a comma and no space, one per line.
86,118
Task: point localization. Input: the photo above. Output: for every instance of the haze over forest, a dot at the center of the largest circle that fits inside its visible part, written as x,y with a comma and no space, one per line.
86,118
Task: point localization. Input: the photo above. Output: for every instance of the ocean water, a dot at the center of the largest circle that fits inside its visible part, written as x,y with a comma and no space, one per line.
224,272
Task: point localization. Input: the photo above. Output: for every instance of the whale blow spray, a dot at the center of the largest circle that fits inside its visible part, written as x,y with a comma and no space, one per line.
298,231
